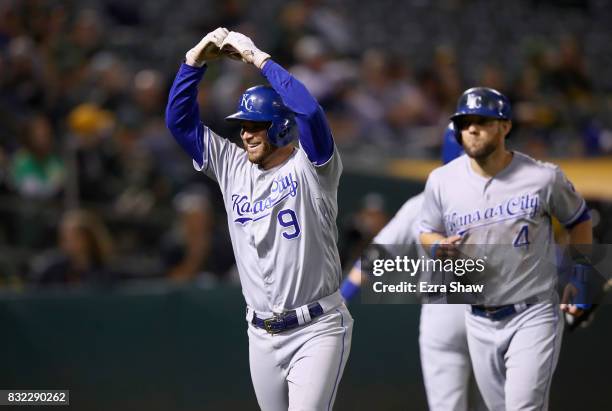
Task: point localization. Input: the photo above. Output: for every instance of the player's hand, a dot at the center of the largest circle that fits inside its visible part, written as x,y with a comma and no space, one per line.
447,247
209,48
569,293
240,47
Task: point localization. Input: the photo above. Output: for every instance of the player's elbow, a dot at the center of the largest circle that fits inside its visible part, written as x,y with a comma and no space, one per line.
582,233
423,238
313,110
170,119
175,123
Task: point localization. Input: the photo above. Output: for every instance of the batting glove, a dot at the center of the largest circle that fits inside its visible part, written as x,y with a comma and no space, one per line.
209,48
239,46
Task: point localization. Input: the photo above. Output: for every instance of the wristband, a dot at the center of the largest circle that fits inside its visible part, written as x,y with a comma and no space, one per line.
434,248
580,281
348,289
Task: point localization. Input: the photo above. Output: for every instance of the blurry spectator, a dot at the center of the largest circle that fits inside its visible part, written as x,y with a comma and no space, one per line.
321,74
84,256
110,81
570,74
303,18
149,92
197,247
367,100
23,81
310,53
445,65
138,184
492,76
361,226
90,147
37,171
292,26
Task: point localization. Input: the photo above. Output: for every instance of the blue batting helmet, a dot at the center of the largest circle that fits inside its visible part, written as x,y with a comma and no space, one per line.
264,104
451,149
484,102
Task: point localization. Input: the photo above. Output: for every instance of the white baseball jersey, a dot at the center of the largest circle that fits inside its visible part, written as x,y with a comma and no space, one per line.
403,227
512,209
282,223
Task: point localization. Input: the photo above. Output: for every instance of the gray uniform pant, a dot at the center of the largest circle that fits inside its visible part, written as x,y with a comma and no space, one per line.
300,369
445,359
514,359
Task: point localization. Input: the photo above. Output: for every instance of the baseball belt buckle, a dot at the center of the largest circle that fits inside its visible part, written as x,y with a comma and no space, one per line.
269,324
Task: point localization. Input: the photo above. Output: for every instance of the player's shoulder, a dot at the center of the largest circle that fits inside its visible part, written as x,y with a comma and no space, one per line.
450,169
414,203
411,208
333,163
535,167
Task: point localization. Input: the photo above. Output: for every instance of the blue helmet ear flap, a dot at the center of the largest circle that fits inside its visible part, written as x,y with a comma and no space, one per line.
451,149
283,130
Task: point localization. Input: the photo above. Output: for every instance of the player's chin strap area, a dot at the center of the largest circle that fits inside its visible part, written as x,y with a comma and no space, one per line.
288,320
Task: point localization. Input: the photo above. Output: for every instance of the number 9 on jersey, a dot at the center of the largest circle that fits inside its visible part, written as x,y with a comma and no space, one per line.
288,220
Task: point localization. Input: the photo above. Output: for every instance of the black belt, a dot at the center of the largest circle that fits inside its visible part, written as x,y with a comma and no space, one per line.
496,313
285,321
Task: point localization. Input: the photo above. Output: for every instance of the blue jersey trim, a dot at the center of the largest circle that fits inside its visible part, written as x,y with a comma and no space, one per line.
576,215
584,216
339,365
551,369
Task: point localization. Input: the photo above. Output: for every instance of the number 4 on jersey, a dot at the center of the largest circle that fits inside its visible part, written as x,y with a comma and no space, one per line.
522,237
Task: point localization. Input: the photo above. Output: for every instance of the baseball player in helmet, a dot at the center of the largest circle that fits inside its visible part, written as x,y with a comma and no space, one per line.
503,201
262,105
445,361
281,203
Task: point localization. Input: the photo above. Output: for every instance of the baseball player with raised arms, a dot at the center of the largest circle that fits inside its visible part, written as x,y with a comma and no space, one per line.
281,202
496,196
445,358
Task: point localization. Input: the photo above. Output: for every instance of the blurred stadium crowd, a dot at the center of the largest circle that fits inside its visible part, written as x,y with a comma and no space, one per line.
93,189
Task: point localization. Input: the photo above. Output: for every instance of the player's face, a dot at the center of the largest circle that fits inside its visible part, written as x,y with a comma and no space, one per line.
255,140
481,136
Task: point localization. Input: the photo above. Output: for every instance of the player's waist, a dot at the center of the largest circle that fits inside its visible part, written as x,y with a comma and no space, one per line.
501,312
275,323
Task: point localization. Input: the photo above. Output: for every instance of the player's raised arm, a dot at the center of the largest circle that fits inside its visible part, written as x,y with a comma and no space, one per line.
315,135
182,116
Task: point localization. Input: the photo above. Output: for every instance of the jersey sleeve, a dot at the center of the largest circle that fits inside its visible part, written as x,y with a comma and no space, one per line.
566,204
326,174
314,132
210,153
401,229
432,220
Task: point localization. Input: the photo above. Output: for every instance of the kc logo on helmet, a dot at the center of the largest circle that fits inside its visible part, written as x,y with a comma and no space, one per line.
247,102
474,101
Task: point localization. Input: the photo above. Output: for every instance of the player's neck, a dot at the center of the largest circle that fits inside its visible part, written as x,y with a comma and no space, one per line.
492,164
277,158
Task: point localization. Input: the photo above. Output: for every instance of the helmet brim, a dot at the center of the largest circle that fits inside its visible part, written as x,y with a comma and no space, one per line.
476,113
248,116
